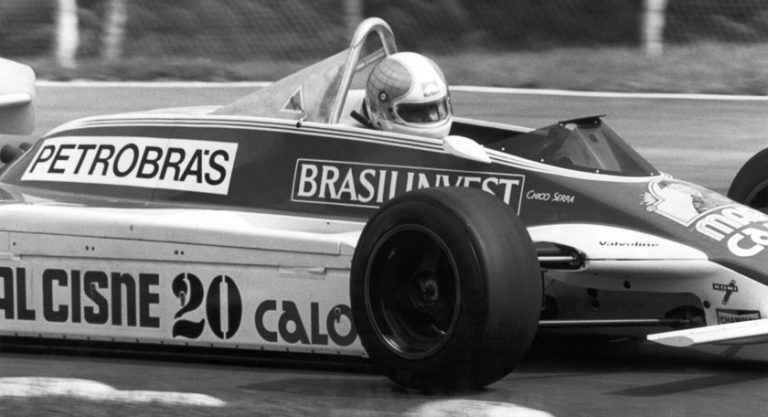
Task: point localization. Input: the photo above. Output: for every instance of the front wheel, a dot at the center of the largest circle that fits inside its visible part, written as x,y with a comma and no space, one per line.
750,186
445,289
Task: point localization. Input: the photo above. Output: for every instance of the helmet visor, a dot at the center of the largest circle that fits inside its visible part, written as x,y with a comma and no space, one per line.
429,112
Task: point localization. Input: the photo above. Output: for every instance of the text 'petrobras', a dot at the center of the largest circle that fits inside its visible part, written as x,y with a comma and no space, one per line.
177,164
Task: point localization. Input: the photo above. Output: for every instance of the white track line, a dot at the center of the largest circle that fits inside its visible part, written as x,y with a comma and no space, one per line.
457,88
151,84
473,408
606,94
83,389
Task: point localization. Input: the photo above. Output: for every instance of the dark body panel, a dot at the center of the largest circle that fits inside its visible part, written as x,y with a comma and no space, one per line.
327,172
320,171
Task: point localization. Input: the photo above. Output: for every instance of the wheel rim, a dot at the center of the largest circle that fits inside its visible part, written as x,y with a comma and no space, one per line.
412,291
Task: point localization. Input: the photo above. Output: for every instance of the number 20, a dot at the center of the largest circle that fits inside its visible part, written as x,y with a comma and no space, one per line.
189,289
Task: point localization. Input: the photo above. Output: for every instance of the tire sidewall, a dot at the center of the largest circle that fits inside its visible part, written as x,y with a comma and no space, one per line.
469,223
754,173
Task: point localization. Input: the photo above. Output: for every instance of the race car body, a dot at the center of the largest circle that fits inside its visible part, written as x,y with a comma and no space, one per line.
279,223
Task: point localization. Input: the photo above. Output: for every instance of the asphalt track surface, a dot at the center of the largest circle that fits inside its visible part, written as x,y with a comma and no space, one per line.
699,140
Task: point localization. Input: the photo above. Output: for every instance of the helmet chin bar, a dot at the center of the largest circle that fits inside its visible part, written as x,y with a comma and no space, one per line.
436,130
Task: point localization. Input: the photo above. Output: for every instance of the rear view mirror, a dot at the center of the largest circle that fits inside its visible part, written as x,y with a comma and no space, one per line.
17,92
466,148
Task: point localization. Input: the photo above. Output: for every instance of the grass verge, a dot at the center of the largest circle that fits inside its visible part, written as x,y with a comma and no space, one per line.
702,68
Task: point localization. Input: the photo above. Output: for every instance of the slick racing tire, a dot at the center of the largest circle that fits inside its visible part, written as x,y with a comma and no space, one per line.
445,289
750,186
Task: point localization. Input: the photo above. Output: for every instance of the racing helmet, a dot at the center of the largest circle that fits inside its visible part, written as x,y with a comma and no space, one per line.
407,93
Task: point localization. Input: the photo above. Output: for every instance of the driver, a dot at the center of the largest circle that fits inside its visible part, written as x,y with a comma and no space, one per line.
407,93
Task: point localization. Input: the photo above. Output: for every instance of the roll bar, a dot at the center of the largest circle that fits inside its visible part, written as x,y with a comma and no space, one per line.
364,29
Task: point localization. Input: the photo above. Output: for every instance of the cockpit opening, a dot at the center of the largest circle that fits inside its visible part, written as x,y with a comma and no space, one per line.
585,144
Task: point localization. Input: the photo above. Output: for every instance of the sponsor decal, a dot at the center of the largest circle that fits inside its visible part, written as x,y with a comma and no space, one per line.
14,303
616,243
75,296
729,289
736,316
175,164
550,197
185,311
291,327
681,201
744,230
430,88
370,185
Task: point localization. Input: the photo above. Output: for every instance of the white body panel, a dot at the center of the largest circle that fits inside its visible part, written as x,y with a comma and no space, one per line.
627,261
263,281
266,281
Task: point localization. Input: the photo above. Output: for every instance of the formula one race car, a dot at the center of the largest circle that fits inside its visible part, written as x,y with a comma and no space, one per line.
280,223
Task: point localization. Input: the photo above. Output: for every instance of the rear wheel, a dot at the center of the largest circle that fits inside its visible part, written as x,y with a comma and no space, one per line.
750,186
445,289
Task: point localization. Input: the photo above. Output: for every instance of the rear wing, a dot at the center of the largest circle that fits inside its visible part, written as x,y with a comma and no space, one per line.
17,92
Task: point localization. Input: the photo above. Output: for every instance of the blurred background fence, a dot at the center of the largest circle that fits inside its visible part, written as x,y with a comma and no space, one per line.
298,29
72,31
